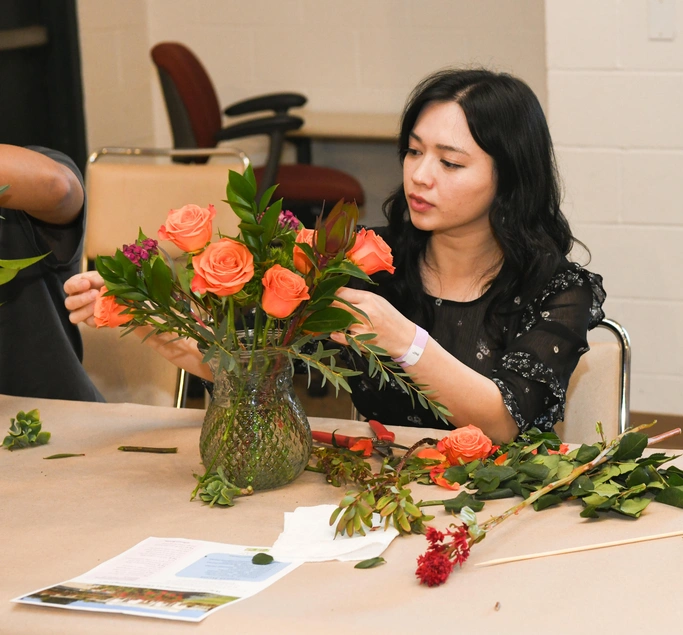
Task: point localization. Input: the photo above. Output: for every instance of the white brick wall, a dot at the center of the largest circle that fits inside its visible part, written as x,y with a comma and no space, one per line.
614,103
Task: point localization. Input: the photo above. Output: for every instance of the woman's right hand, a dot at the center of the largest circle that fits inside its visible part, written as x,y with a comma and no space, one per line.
82,290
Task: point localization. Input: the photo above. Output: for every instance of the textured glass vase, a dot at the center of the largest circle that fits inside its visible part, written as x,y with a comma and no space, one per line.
255,427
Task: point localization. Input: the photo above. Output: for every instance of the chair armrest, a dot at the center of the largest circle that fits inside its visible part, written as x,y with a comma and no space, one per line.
279,102
262,125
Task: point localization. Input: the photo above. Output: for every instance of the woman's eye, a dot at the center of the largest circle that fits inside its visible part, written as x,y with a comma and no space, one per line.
449,165
412,152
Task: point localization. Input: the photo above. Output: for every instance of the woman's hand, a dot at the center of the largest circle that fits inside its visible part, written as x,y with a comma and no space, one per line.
394,332
82,290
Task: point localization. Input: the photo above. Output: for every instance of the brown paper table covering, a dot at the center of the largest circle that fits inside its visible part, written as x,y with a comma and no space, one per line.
60,518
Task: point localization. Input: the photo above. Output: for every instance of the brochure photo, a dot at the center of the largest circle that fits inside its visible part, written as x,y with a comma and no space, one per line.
169,578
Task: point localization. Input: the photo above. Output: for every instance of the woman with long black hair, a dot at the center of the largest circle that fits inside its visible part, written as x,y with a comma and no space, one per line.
484,308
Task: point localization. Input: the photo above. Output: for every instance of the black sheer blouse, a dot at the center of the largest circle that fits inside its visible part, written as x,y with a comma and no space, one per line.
531,361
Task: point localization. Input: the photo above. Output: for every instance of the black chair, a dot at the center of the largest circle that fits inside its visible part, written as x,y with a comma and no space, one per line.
196,122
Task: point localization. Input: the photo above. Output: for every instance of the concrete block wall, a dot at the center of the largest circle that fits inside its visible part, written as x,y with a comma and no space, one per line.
117,91
614,105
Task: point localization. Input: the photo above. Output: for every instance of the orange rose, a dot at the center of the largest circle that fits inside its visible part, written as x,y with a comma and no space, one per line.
189,227
301,261
465,445
283,291
371,253
222,268
107,311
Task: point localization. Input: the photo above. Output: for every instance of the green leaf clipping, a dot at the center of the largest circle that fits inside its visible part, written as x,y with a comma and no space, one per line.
370,563
262,558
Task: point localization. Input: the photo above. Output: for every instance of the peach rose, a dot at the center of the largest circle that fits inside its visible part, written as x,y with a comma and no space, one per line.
301,261
107,311
189,227
466,444
371,253
222,268
283,291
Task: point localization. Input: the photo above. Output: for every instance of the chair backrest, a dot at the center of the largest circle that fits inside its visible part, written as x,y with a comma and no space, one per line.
599,389
121,198
191,101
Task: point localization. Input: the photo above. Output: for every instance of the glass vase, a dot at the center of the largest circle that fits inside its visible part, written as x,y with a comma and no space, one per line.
255,427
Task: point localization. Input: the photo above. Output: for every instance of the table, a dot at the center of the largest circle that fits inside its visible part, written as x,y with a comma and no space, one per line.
342,127
348,126
60,518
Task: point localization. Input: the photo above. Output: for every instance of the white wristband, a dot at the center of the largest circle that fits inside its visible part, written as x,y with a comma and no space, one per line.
413,354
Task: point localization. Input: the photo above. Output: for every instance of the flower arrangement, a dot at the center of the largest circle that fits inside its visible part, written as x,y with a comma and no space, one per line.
268,291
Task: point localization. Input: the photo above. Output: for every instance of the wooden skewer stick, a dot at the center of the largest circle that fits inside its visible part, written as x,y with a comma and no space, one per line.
602,545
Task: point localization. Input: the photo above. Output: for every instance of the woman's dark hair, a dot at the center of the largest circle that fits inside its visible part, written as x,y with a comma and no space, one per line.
507,122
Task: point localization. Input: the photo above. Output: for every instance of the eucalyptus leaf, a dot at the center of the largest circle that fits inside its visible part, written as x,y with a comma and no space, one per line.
370,563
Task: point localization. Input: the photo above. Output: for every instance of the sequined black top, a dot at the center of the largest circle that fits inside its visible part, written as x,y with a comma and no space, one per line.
538,348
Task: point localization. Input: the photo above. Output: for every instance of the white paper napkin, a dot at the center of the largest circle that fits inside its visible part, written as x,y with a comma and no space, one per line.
308,536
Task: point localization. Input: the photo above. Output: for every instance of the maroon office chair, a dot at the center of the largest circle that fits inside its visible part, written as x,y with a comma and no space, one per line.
196,122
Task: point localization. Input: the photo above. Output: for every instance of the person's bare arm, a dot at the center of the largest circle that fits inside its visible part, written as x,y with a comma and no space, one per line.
43,188
469,396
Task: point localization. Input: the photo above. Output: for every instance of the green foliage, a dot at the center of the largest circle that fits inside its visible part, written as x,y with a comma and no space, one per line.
158,292
370,563
215,489
625,483
25,431
10,268
340,466
262,558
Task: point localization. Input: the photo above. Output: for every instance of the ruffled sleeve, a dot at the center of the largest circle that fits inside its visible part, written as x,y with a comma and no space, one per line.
534,371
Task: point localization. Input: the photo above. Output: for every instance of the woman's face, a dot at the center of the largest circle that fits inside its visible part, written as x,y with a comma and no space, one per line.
448,180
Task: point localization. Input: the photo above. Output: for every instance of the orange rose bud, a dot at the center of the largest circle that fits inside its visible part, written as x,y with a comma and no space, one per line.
189,227
222,268
107,311
371,253
466,444
283,291
301,261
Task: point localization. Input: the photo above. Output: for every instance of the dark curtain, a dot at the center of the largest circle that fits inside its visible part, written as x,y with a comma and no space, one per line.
41,94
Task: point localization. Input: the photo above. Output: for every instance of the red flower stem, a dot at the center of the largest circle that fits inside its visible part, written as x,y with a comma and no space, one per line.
412,448
601,458
661,437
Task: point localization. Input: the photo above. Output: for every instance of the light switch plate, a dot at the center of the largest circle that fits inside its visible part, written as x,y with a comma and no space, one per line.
661,19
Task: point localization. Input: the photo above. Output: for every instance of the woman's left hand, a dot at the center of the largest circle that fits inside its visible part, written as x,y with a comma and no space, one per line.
394,332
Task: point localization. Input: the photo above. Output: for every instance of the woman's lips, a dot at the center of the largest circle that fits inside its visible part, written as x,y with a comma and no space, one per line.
418,204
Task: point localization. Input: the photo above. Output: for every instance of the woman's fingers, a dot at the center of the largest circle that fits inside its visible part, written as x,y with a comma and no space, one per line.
82,290
82,282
